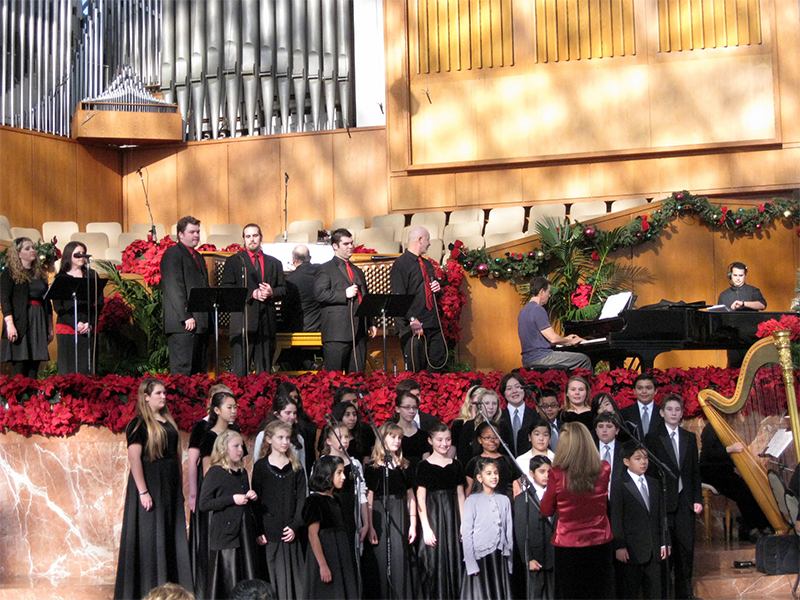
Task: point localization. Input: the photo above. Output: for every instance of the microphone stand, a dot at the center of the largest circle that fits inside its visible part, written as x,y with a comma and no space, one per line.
358,479
388,462
664,470
147,202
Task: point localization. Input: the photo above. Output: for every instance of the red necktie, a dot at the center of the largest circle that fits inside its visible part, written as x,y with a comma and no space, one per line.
428,291
352,280
258,261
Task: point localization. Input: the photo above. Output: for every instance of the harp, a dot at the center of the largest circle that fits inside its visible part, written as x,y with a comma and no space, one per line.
763,399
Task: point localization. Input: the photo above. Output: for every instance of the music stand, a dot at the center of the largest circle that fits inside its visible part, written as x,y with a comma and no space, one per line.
69,288
385,305
216,299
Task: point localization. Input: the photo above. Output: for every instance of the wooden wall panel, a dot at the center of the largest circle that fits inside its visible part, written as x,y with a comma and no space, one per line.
255,184
15,177
54,179
99,184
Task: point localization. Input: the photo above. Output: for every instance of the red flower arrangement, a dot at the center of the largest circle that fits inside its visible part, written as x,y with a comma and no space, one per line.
115,314
787,322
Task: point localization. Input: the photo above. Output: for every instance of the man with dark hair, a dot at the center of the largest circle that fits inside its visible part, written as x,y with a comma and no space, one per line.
537,336
339,288
182,270
420,330
301,310
253,330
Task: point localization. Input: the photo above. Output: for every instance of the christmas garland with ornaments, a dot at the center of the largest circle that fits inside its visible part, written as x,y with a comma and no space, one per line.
644,228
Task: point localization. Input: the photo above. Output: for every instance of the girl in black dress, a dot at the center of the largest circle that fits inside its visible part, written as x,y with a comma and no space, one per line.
440,501
74,265
397,504
153,548
330,571
233,530
27,318
280,482
577,402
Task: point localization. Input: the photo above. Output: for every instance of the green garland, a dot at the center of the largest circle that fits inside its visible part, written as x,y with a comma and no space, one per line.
642,229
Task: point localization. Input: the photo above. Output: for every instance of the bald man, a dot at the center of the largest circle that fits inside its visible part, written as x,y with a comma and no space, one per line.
424,348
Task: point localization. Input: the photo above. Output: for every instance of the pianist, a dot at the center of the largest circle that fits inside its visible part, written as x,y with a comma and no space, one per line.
536,335
740,296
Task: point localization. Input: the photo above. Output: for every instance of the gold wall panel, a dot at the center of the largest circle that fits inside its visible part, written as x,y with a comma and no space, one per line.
703,24
458,35
583,29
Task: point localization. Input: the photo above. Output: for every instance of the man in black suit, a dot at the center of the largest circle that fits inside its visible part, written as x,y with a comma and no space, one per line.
182,270
300,308
262,275
422,420
516,419
637,522
684,497
645,415
339,288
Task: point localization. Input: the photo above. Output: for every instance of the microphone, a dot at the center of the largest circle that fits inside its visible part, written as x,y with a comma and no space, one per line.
82,255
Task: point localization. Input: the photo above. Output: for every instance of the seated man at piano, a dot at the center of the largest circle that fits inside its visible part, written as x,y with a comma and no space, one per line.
740,296
537,336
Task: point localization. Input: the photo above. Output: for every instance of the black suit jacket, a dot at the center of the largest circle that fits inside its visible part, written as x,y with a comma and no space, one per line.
259,314
522,444
660,444
631,414
300,309
634,527
532,531
181,273
337,310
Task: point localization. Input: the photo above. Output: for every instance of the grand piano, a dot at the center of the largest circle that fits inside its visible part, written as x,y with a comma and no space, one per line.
645,333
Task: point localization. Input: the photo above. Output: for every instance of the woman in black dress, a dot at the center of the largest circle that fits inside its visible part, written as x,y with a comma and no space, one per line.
440,499
233,531
330,571
74,266
153,548
396,503
27,318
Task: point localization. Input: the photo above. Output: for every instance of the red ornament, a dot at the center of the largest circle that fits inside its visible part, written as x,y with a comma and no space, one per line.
482,269
589,232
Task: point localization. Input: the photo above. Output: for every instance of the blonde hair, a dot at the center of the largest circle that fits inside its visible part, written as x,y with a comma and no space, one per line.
378,455
156,436
266,446
14,264
587,401
578,457
327,431
467,407
220,456
478,396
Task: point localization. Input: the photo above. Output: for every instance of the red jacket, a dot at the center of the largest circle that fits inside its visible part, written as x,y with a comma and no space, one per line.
582,519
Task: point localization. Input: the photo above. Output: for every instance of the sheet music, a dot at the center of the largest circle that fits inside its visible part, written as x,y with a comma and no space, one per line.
779,442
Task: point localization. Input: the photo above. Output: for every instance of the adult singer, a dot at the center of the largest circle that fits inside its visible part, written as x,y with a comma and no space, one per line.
421,336
182,270
263,277
339,287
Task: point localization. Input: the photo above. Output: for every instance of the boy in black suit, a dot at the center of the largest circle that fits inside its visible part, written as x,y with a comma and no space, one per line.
640,540
533,532
684,497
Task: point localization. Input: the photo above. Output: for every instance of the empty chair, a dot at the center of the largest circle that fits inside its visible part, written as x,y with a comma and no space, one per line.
433,230
143,229
226,229
203,235
436,250
396,221
373,235
538,212
583,211
28,232
618,205
4,222
352,224
5,233
467,215
458,231
311,227
429,220
222,240
96,243
296,237
114,255
495,239
505,219
111,228
61,230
